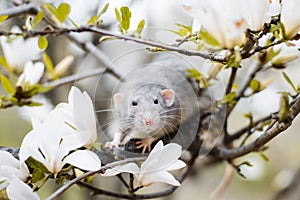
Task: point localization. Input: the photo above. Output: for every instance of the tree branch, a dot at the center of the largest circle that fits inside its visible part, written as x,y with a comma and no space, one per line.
206,55
15,11
231,80
268,135
74,77
244,85
243,130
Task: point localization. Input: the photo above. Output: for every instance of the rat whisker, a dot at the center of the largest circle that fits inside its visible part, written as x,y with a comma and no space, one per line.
108,110
108,99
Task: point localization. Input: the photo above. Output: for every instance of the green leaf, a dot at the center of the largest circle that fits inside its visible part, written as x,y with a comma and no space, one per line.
94,19
63,11
3,18
118,16
4,63
287,78
48,63
208,38
264,157
255,85
34,164
282,28
7,85
126,15
248,115
284,108
38,18
50,14
34,104
104,9
37,175
184,30
140,27
43,43
229,97
45,89
193,73
247,163
32,90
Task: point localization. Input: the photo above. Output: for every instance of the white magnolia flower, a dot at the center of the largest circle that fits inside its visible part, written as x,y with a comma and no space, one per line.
79,113
13,173
36,112
290,16
18,51
258,12
52,141
155,168
32,73
223,19
286,54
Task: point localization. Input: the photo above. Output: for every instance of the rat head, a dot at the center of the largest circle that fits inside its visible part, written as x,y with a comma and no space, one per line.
148,109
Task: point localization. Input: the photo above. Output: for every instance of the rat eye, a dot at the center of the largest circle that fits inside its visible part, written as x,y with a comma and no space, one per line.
155,101
134,103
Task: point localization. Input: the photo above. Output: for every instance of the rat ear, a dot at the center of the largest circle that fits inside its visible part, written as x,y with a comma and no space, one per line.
168,97
118,99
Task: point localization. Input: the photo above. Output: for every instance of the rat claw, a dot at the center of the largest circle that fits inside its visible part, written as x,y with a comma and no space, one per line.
145,144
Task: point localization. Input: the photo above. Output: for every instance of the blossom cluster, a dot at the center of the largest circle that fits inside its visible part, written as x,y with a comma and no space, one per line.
58,140
228,20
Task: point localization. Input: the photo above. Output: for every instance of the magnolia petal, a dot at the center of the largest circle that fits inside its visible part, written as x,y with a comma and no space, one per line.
33,72
35,123
84,113
154,153
162,159
7,159
29,147
18,190
176,165
161,177
84,159
127,168
3,183
13,51
290,17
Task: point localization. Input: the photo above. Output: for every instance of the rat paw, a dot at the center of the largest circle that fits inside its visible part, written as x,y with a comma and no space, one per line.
145,144
111,145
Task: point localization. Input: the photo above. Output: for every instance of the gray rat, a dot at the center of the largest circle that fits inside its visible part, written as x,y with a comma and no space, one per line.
152,102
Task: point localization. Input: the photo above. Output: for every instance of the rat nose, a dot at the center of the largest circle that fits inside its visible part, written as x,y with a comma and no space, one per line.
148,121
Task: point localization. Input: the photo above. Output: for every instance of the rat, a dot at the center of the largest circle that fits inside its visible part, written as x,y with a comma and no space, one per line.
150,103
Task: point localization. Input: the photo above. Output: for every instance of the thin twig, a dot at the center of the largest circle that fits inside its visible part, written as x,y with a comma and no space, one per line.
268,135
231,80
206,55
244,85
74,77
243,130
122,180
131,179
18,10
87,174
